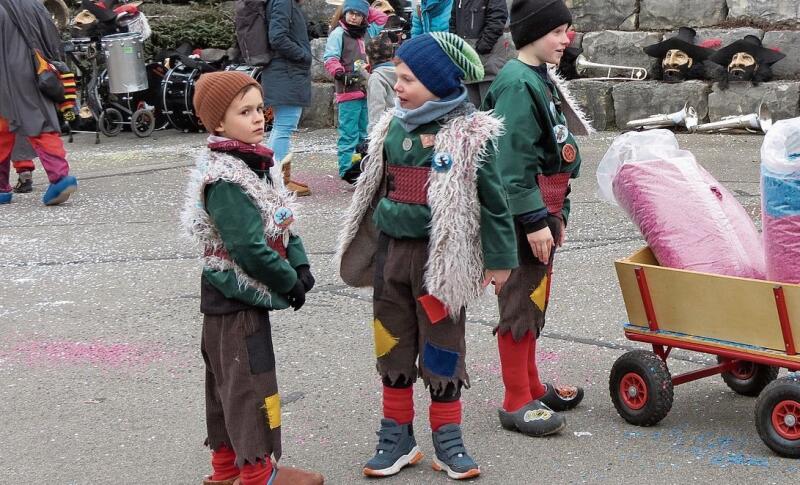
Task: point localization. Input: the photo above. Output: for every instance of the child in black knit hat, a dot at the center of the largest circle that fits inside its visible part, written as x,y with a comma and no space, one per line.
537,156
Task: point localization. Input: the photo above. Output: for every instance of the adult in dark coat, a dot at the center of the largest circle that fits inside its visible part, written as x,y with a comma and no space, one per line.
286,80
24,110
481,24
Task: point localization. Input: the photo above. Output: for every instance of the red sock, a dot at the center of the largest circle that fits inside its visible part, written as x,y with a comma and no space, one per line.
537,388
223,462
442,413
514,367
256,474
398,404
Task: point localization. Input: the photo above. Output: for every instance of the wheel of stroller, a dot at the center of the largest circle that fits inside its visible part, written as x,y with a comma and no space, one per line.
110,122
749,379
778,416
641,388
143,122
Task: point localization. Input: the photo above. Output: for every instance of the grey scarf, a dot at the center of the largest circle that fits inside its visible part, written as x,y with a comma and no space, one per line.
411,119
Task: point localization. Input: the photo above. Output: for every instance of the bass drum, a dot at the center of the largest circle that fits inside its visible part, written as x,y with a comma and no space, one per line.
177,91
255,73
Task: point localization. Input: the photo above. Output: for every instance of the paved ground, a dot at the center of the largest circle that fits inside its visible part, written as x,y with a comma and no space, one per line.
101,375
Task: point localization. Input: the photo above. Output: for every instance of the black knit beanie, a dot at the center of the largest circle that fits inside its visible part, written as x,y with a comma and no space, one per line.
533,19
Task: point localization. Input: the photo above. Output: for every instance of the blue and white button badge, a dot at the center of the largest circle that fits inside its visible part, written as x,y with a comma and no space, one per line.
283,217
561,132
442,161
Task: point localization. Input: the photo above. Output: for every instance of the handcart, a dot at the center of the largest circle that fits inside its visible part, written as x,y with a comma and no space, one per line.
751,326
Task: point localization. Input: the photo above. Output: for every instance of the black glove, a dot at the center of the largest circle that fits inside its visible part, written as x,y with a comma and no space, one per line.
305,276
348,79
297,295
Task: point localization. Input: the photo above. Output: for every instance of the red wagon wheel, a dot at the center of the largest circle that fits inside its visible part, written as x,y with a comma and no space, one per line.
641,388
749,379
778,416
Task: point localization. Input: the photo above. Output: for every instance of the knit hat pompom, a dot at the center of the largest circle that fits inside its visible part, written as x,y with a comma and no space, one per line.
360,6
530,20
215,91
440,60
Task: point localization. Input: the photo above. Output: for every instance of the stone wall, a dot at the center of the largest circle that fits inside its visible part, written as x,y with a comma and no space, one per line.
614,32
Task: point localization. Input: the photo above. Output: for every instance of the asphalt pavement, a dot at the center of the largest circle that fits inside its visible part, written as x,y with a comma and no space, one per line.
101,378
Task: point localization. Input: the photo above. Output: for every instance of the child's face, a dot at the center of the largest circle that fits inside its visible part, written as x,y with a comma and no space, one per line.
551,47
244,118
353,18
410,91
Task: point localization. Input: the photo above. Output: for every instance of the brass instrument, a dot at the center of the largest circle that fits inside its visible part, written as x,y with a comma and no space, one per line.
686,117
582,65
758,122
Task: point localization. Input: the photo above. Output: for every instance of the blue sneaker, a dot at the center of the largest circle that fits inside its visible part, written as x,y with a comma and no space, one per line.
451,456
5,197
60,191
396,449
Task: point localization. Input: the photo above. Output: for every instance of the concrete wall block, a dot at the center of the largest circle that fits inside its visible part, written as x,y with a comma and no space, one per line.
769,10
641,99
591,15
620,48
725,36
318,72
320,114
782,97
595,97
660,14
788,41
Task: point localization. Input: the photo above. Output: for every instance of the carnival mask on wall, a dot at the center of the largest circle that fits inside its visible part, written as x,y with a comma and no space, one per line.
747,60
680,58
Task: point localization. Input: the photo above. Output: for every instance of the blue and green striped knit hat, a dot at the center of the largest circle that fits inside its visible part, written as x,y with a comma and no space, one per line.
440,60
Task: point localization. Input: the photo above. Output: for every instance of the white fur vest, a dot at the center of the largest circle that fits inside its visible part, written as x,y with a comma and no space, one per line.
454,271
210,167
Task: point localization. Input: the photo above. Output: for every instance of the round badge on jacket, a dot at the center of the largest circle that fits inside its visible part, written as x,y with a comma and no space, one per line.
442,161
561,132
569,153
283,217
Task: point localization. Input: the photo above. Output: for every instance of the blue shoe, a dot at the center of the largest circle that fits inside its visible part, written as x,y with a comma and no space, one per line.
5,197
396,449
451,456
60,191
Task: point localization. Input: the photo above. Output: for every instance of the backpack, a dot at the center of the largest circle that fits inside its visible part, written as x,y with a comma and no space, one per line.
250,21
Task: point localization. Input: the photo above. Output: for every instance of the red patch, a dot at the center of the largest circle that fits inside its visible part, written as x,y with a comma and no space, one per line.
569,153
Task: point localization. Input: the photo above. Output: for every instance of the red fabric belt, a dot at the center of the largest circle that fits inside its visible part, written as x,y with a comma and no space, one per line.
554,189
408,185
275,244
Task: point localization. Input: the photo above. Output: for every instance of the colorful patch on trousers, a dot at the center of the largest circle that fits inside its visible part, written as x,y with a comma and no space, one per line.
384,341
272,406
440,361
539,295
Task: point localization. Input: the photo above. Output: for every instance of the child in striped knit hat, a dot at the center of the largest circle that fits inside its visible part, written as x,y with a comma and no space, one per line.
439,232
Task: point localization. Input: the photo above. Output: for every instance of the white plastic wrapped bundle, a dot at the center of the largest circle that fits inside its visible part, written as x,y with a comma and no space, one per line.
688,219
780,200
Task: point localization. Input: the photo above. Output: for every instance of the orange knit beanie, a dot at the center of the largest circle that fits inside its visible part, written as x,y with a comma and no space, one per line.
215,91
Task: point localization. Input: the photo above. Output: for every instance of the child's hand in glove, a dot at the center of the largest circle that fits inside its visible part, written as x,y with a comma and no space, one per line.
297,295
304,275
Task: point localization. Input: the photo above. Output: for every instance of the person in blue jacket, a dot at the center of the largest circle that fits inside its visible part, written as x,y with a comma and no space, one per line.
431,16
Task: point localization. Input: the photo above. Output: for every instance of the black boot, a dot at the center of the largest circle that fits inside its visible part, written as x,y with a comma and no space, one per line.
24,183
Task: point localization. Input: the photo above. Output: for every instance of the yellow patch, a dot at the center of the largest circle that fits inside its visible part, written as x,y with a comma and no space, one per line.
539,295
272,405
384,341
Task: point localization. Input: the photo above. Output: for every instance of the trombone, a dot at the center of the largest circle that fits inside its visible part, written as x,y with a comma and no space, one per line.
686,117
758,122
636,73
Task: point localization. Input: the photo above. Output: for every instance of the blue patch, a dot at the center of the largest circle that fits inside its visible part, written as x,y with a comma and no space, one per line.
781,195
440,361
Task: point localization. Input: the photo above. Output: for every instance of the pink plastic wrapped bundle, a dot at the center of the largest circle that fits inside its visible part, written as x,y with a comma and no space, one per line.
688,219
780,200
